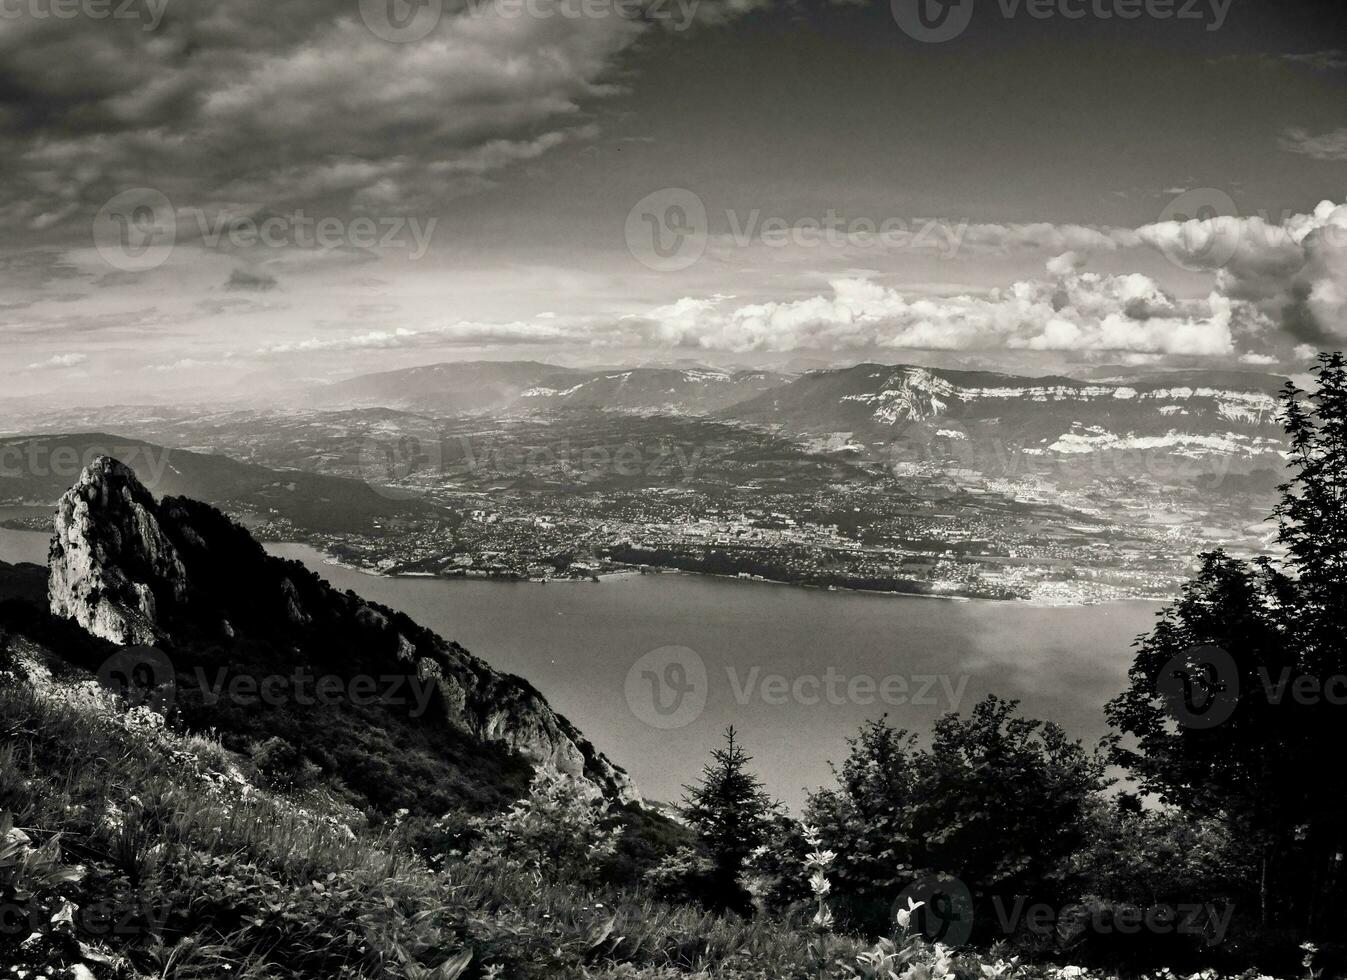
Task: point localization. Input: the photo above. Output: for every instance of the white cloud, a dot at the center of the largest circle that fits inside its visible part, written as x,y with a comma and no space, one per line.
1073,312
1273,285
375,339
1293,271
1332,60
59,361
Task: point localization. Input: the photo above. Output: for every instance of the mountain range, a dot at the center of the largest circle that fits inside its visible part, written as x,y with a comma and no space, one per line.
1187,413
983,418
509,386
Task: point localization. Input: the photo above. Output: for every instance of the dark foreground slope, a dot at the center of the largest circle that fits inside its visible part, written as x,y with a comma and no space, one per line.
227,637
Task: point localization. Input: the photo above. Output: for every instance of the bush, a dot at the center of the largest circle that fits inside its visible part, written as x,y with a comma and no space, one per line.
561,829
997,802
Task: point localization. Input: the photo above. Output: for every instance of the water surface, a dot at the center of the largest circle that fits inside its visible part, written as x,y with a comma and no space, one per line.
577,642
772,656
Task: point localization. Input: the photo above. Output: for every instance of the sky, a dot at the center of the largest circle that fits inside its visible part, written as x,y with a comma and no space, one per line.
208,199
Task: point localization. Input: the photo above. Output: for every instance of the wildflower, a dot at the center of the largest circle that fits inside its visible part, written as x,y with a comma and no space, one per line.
905,915
1308,961
820,859
817,862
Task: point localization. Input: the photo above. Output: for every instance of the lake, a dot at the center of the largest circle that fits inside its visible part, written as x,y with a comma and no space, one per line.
652,668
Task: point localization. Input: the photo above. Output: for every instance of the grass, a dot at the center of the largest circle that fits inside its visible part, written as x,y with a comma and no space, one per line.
210,876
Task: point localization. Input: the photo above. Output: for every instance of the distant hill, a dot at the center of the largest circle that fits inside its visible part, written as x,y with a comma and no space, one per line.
981,417
482,387
38,469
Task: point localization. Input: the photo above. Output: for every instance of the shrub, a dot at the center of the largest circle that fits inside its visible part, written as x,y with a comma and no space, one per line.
559,829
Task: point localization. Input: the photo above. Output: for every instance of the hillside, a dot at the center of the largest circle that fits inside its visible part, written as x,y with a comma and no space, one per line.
39,468
206,609
986,419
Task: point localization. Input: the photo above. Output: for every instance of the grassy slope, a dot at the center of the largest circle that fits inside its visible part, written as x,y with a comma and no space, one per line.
164,860
208,876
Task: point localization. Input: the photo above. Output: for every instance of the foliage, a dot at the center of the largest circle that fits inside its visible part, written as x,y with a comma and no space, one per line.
775,874
997,801
1258,647
730,811
558,830
213,876
686,876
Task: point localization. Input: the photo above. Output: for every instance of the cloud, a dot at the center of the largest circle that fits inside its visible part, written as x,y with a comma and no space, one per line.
1273,286
1044,236
1330,146
235,108
1066,263
58,362
1292,273
374,340
250,281
1332,60
544,329
1070,312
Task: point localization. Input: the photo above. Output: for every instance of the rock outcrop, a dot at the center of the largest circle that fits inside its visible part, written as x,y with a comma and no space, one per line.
177,573
109,555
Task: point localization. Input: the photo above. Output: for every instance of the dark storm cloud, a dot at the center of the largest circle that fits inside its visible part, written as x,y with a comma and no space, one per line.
35,267
250,281
245,104
148,321
1317,146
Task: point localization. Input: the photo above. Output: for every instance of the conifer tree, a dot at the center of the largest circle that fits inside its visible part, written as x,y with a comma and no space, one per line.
731,812
1258,652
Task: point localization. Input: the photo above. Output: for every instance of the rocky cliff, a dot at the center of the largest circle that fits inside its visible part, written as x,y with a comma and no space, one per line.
179,575
109,555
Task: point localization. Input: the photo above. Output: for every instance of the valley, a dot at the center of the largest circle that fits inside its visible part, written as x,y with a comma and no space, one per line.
941,483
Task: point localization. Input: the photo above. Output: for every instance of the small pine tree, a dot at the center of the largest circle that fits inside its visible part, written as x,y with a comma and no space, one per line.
731,813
